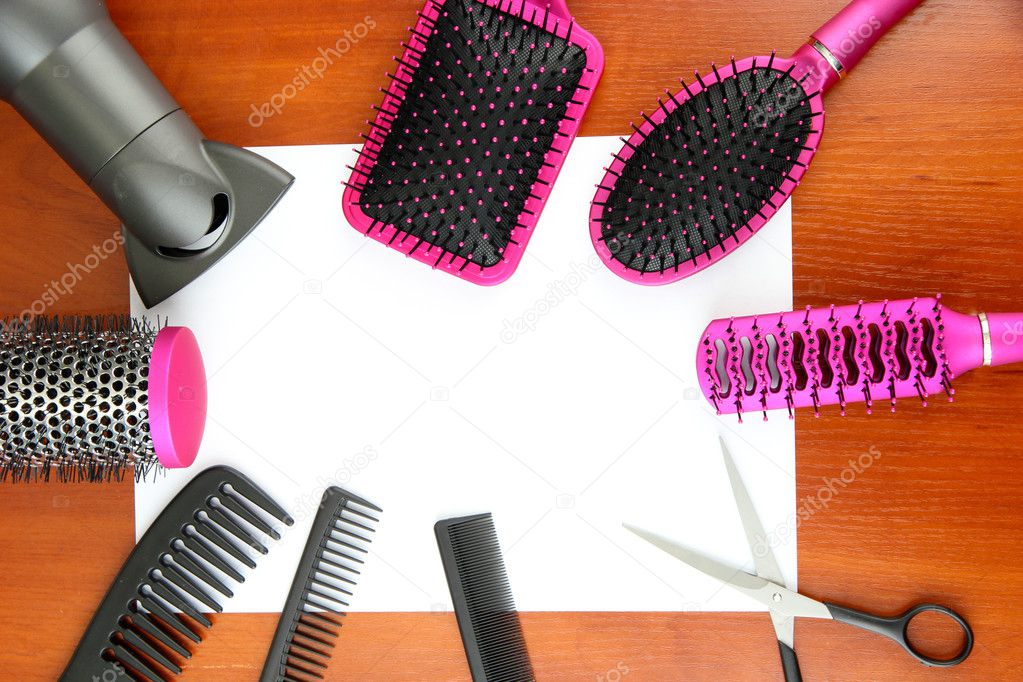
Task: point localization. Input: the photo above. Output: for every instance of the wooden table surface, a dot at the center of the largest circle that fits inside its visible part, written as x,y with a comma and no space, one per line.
916,189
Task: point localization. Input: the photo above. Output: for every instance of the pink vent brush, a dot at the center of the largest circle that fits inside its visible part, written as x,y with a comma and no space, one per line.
472,133
857,353
714,162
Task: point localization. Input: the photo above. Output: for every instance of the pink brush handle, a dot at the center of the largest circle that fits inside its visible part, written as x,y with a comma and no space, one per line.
839,45
1006,330
977,340
854,30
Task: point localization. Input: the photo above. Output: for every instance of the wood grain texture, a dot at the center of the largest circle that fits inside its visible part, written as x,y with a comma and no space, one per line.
916,189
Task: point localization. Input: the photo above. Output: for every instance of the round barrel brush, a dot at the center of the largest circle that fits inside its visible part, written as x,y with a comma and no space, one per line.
83,399
860,353
714,162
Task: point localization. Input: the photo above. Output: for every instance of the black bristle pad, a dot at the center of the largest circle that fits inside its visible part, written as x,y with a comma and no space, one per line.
709,169
73,398
330,565
483,600
469,139
155,611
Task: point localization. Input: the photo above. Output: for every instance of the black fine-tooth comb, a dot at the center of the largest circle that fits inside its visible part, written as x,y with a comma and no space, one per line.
311,620
178,572
483,601
473,131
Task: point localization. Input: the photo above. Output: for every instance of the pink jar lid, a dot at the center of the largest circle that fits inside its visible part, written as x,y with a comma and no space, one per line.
177,397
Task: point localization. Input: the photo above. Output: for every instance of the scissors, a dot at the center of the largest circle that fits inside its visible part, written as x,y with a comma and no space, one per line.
768,588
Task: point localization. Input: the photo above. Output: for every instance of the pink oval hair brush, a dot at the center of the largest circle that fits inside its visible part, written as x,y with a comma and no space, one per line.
715,161
857,353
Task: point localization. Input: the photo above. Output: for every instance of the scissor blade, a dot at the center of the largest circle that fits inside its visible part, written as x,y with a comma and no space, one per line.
734,577
784,628
763,555
785,602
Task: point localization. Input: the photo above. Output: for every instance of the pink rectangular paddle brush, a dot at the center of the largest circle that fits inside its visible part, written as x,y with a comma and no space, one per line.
714,162
851,354
472,133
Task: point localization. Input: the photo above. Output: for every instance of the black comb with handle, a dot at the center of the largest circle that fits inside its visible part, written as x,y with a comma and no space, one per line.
178,572
483,601
311,620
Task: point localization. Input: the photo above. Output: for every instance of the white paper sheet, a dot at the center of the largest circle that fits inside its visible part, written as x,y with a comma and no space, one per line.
564,401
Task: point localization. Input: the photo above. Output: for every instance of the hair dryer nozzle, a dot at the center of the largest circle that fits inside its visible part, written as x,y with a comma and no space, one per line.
184,201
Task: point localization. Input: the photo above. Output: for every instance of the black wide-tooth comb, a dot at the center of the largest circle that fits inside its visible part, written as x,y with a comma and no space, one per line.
330,565
178,572
483,601
472,133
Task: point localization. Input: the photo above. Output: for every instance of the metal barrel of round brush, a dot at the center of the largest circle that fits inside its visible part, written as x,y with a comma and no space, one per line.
85,398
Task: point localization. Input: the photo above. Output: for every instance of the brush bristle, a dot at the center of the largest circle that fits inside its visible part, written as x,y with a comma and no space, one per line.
854,354
455,159
705,170
73,397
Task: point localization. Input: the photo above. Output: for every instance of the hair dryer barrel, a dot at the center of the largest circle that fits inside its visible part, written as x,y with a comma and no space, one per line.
184,201
84,88
68,70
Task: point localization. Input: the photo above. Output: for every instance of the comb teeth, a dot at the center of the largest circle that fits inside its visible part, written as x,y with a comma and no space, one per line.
330,565
483,601
706,170
172,579
834,356
480,111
